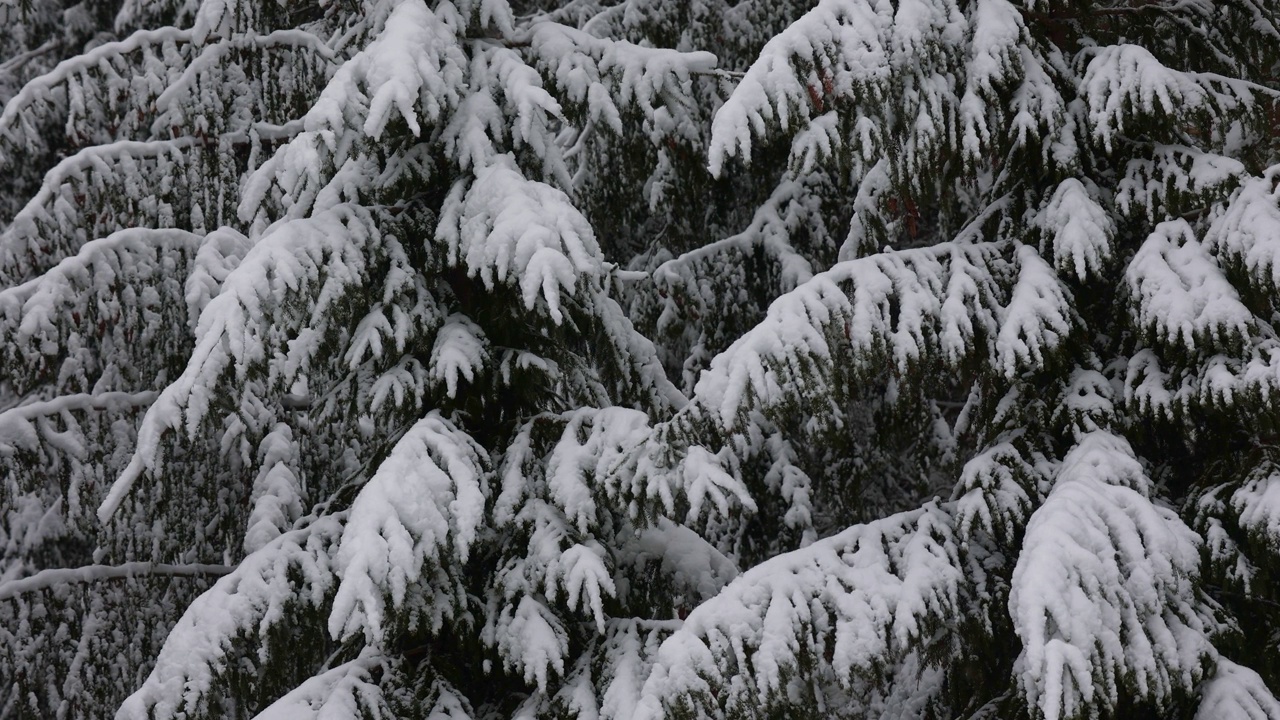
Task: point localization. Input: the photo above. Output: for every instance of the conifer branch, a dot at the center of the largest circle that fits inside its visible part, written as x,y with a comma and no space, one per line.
41,86
16,428
12,64
46,579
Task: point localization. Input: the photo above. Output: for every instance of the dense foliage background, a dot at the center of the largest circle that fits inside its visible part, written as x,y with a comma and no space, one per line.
489,358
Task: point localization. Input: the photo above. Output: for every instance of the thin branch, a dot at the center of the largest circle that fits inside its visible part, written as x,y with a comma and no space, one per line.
720,73
79,401
46,579
525,42
15,422
212,53
12,64
126,239
1121,10
1247,597
65,69
96,157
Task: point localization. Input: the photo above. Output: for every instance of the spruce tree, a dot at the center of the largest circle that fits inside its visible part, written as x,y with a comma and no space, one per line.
647,359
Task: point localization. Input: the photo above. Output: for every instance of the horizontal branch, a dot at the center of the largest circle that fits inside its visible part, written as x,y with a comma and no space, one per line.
1245,596
631,275
14,63
40,87
213,53
92,157
80,401
131,238
697,66
1061,15
46,579
99,157
16,429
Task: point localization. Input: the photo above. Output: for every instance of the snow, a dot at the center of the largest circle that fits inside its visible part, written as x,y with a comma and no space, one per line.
574,467
1175,176
1040,108
704,477
406,314
419,512
334,694
997,31
278,494
527,104
139,12
1147,386
402,68
786,477
18,424
1257,500
1248,231
814,144
49,213
558,511
770,230
992,495
404,383
30,309
330,327
1103,592
574,59
167,103
919,26
598,459
41,87
685,556
846,40
448,703
630,649
231,329
864,237
582,572
30,522
48,319
1037,318
944,294
855,55
532,641
506,229
54,577
414,68
264,590
796,324
1236,693
460,352
658,82
866,592
1125,79
1089,403
220,253
1179,294
1080,231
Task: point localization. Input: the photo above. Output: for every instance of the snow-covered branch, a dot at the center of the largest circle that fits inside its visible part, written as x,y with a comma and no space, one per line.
40,87
46,579
16,429
214,52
